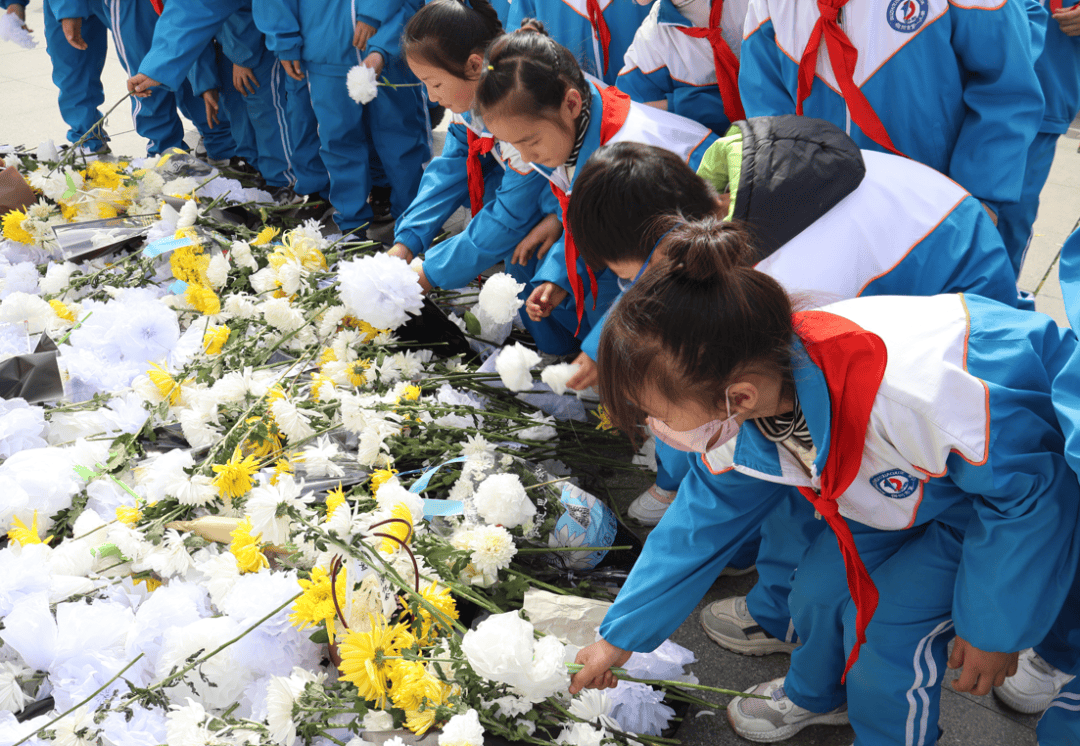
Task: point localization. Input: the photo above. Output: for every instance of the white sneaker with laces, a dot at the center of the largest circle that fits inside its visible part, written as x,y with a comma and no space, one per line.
776,718
1034,685
728,623
650,505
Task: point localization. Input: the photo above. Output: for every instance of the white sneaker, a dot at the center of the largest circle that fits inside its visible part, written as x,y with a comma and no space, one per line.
777,718
1034,685
650,505
728,623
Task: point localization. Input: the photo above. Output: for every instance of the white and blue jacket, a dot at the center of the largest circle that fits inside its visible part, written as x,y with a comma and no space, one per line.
663,63
965,399
953,83
567,22
512,206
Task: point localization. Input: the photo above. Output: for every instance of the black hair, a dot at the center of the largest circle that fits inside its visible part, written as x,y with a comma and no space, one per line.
529,71
685,330
445,33
619,194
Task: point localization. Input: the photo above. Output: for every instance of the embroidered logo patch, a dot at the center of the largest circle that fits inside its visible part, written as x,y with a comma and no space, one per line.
894,483
907,16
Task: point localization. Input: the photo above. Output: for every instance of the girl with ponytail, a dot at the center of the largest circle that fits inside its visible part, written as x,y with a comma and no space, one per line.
923,431
444,44
533,94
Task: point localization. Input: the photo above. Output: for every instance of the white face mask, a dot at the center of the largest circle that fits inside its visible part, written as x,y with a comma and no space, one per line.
700,439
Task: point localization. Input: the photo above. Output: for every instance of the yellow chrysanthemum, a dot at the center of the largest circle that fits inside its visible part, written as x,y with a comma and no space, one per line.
420,721
70,212
61,310
363,327
357,372
275,393
266,235
316,605
234,476
605,419
258,446
127,515
412,393
215,338
167,386
24,534
281,466
401,529
327,356
321,386
106,210
245,547
103,175
13,227
152,583
381,477
430,624
189,264
411,685
302,248
334,500
367,658
202,299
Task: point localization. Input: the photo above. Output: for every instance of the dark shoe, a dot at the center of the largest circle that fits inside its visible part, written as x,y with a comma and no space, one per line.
380,204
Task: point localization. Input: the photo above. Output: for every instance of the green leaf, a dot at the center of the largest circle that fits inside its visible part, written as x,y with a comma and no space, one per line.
472,324
109,550
70,187
320,637
85,473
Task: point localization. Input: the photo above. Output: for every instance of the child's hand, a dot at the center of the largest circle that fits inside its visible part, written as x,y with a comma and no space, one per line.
19,11
73,33
597,660
401,251
210,99
982,670
361,34
375,62
140,85
244,80
292,69
586,375
1068,20
543,300
538,241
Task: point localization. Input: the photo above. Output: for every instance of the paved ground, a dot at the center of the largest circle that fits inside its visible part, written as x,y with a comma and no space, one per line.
30,116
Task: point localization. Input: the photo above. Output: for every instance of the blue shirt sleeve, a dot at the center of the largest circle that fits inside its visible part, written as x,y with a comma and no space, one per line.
69,8
761,82
444,187
279,20
203,75
181,35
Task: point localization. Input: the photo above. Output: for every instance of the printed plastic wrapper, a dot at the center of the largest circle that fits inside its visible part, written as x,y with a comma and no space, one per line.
92,238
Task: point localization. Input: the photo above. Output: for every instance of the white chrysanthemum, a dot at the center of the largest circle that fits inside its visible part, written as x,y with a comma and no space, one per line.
503,648
150,184
501,499
581,734
188,214
380,290
198,490
240,253
492,549
12,696
463,730
264,281
23,307
281,315
318,459
499,297
363,84
53,184
186,725
241,307
513,365
331,317
168,558
218,271
267,507
181,187
290,275
293,423
557,375
76,729
281,694
377,720
593,706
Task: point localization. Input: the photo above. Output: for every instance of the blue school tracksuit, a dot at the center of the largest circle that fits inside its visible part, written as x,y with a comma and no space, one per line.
399,133
76,73
645,125
962,506
952,83
1058,69
664,64
253,118
567,22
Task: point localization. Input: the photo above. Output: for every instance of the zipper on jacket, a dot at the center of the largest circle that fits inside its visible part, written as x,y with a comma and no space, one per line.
847,111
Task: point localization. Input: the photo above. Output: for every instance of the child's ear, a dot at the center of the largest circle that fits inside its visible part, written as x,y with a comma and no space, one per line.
743,397
473,66
573,102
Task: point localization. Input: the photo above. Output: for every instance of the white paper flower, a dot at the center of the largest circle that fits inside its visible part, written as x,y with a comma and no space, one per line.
581,734
188,213
380,290
501,499
502,648
513,367
463,730
499,297
639,708
362,84
218,271
557,375
31,309
593,706
240,253
378,720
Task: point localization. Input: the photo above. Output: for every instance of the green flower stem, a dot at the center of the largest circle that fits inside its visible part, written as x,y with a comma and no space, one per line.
72,709
538,583
621,673
79,323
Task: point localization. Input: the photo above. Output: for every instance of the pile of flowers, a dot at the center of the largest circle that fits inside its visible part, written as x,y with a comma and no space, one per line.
262,514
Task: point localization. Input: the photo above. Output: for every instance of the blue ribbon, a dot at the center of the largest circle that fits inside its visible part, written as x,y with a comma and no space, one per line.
433,507
163,245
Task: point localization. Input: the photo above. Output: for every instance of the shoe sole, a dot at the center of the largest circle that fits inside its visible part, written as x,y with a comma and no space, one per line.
787,731
1016,704
755,648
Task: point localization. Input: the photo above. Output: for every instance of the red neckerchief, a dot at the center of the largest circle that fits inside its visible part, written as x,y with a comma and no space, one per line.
853,362
159,5
616,107
478,146
724,60
843,55
596,18
1055,6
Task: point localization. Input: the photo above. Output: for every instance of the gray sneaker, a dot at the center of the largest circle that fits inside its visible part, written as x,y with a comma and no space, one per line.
776,718
728,623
